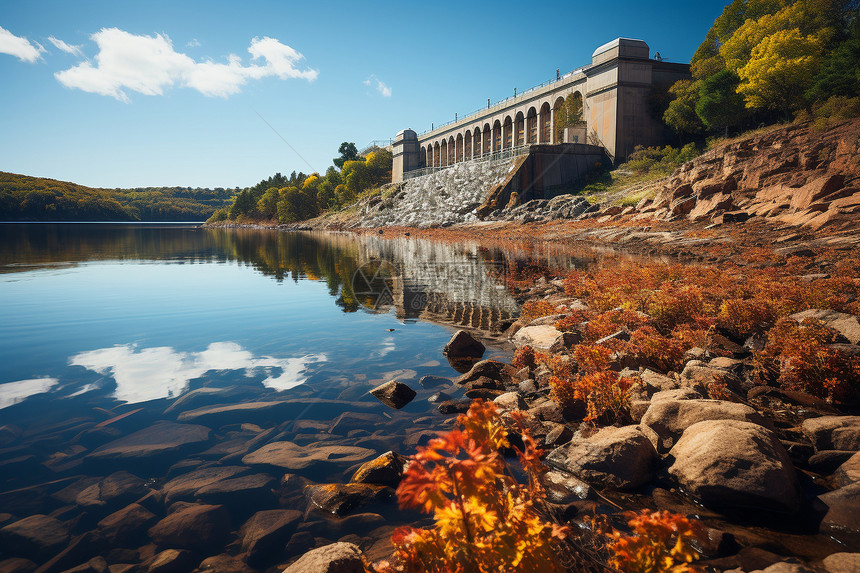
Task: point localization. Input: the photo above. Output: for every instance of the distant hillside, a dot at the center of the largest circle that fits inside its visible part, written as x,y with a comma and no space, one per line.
25,198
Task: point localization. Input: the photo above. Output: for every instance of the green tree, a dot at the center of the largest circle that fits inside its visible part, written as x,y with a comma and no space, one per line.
348,152
681,114
720,105
569,114
840,68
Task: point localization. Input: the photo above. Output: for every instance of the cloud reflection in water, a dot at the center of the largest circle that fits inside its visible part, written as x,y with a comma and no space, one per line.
14,392
161,372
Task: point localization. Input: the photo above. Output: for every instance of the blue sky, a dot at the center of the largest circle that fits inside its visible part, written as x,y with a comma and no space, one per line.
152,93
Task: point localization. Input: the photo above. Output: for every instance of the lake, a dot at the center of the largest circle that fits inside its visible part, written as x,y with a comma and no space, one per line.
143,354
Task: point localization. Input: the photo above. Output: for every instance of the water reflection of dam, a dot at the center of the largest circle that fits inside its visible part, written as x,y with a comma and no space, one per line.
452,284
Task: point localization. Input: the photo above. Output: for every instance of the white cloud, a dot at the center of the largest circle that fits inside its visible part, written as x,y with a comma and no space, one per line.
381,86
162,372
19,47
14,392
194,43
68,48
149,65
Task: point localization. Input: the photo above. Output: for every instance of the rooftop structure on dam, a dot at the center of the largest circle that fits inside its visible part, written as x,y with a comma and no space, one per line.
615,92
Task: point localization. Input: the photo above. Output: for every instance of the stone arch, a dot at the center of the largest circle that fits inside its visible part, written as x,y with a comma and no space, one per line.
545,124
531,125
476,142
557,129
519,129
458,155
507,132
424,157
437,155
467,145
571,103
485,139
497,136
451,150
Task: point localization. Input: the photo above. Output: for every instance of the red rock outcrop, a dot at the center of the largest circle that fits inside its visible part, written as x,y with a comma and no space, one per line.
797,175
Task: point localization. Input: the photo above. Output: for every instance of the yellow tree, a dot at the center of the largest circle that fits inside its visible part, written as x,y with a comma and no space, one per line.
779,70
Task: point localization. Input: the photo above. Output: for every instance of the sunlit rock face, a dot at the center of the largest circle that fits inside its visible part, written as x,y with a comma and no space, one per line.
442,198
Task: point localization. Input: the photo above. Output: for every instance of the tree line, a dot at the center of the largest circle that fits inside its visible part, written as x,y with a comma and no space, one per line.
765,61
301,196
25,198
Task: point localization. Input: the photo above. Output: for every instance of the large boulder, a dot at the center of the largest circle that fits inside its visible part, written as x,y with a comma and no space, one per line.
845,324
334,558
669,418
200,528
733,464
544,338
620,458
117,489
842,563
463,345
848,472
833,432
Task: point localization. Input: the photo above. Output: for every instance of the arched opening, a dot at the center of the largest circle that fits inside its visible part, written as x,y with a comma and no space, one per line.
467,145
519,129
451,150
557,134
423,158
507,133
497,136
569,114
444,151
531,126
437,157
476,143
485,140
545,123
459,155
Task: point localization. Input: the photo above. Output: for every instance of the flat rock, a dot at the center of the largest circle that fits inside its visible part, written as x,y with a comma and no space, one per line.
244,492
158,440
348,421
118,488
564,488
124,525
394,394
463,344
185,487
842,563
339,498
544,338
199,528
669,418
833,432
94,565
169,561
294,457
36,537
273,410
845,324
620,458
492,369
266,533
510,401
842,511
334,558
387,469
733,464
17,565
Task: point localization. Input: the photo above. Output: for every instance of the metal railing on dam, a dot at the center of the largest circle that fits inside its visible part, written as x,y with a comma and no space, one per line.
509,153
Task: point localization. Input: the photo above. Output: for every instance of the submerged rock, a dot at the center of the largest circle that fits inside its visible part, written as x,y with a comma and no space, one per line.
266,533
199,528
393,394
295,457
161,439
36,537
341,498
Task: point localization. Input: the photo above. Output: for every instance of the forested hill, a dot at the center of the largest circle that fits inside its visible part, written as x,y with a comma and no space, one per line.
25,198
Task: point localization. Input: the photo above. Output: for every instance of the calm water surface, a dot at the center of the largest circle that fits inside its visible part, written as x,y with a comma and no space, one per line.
110,314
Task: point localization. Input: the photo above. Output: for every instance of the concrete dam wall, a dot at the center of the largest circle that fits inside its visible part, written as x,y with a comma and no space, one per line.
467,191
